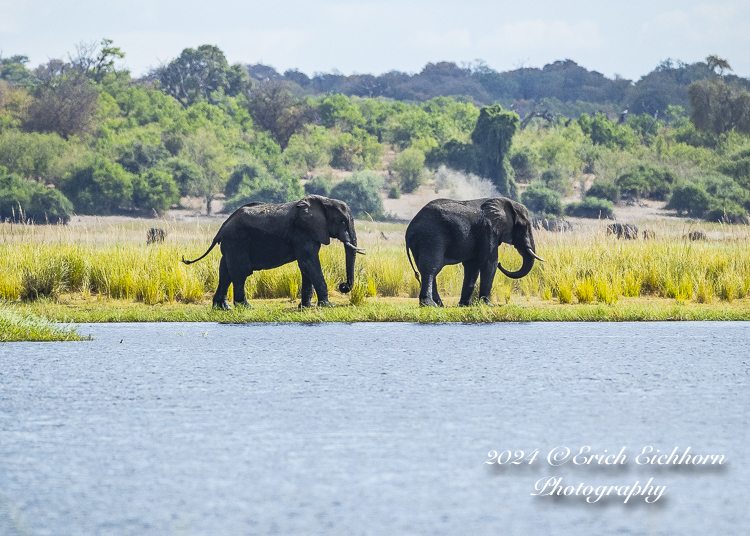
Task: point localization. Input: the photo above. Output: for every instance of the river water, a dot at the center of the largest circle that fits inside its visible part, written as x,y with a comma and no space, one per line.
360,429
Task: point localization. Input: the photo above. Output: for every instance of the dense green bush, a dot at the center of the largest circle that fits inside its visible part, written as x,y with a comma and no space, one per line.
689,198
266,188
525,163
22,200
320,185
604,190
154,191
646,181
591,207
362,193
409,168
542,201
99,186
394,192
726,212
556,179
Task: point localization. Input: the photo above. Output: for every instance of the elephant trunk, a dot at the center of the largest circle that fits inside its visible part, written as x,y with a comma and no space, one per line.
526,249
351,251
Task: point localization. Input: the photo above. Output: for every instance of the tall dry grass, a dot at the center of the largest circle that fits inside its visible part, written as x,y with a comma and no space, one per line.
49,261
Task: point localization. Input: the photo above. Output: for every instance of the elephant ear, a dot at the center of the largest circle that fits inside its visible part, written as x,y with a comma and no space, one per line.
311,216
501,216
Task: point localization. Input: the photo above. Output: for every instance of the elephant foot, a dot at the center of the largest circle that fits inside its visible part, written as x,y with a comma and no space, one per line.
428,303
485,300
304,305
464,304
244,304
222,305
325,303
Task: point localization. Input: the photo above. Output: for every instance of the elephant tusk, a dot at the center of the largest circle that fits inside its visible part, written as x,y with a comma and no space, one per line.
355,248
537,257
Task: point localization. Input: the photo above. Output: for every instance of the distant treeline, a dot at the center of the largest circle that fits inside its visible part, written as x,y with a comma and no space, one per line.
82,136
562,87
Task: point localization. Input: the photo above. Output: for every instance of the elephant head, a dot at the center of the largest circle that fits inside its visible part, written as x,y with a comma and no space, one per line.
511,222
323,219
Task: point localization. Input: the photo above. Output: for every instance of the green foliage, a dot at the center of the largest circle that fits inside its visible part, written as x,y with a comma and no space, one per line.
719,107
356,150
184,173
320,185
22,200
212,158
542,201
492,138
252,182
691,199
646,181
309,149
604,190
525,162
202,74
30,154
604,132
556,179
362,193
591,207
394,192
338,111
154,191
98,186
409,168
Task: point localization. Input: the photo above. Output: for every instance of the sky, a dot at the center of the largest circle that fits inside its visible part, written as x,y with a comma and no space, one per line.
625,38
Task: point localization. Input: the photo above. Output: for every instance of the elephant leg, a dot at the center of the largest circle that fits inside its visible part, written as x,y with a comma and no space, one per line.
486,278
311,265
307,291
239,270
435,296
220,297
471,273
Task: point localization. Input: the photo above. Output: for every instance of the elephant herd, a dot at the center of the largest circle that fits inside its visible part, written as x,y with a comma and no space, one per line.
261,236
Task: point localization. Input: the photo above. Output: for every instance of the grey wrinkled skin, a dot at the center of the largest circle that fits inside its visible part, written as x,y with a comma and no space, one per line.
261,236
446,232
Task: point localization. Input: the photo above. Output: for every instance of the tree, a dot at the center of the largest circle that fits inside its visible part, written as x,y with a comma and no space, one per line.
409,167
65,103
22,200
197,74
719,107
98,186
275,109
492,138
204,149
96,62
154,191
361,193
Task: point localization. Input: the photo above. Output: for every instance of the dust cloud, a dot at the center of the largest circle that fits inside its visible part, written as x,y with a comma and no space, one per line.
463,186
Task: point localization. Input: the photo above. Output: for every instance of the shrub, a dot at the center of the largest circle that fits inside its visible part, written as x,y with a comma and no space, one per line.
98,187
604,190
409,168
320,185
591,207
361,193
22,200
726,212
542,201
184,174
265,188
155,191
525,163
646,181
394,192
556,179
691,199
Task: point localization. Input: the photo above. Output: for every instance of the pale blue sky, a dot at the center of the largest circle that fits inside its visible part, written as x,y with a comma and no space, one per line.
627,38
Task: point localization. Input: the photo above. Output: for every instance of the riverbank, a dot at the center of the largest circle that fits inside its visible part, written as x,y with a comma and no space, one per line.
93,310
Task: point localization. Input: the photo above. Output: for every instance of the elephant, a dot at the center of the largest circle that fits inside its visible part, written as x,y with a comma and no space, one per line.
261,236
445,232
628,231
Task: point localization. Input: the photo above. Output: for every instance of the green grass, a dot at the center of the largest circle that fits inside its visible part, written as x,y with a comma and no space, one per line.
18,325
392,310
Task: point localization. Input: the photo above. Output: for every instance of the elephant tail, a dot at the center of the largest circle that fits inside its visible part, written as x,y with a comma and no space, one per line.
216,241
416,274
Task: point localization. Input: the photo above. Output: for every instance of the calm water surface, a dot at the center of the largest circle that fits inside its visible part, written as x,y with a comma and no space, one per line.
197,429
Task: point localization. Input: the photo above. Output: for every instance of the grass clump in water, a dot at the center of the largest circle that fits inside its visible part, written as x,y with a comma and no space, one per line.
24,326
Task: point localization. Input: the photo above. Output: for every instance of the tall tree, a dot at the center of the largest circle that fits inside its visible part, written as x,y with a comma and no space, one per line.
197,74
718,107
492,139
206,151
275,109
